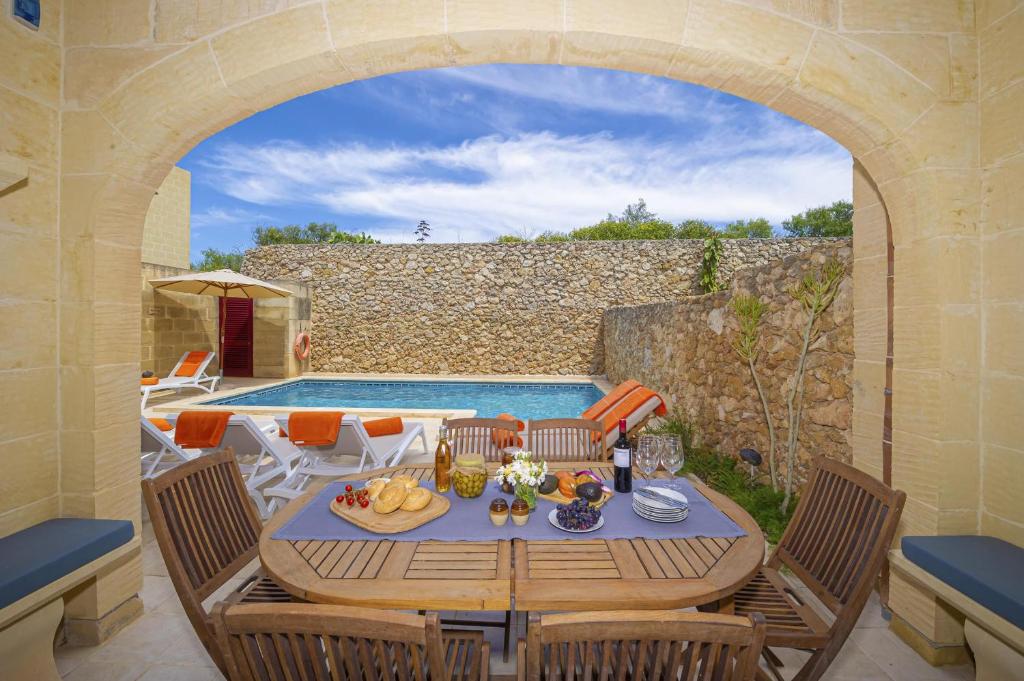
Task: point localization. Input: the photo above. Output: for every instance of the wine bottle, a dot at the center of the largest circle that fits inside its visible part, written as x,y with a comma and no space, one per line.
443,461
622,457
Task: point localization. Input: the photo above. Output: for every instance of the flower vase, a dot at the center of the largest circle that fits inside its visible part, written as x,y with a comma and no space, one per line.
527,493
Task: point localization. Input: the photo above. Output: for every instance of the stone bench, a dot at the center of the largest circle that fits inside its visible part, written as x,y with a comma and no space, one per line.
37,566
982,577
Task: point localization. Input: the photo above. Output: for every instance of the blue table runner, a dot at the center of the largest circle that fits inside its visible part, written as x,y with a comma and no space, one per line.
468,520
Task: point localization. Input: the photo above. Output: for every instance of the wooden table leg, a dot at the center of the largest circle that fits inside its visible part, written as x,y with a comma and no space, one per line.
724,606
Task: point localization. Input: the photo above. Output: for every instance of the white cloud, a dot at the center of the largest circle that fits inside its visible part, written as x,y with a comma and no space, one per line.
225,217
533,182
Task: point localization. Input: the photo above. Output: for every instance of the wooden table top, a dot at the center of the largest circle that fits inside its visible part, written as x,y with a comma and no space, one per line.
541,575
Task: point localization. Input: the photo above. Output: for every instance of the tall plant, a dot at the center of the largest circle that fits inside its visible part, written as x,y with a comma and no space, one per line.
747,344
709,264
815,293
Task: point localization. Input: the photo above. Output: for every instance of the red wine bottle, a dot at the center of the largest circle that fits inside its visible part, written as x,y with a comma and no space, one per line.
622,457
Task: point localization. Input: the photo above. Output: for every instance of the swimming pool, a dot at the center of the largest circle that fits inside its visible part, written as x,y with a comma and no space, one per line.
524,400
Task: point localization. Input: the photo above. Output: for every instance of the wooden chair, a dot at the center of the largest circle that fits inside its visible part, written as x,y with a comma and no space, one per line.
208,530
566,439
641,645
480,436
341,643
835,545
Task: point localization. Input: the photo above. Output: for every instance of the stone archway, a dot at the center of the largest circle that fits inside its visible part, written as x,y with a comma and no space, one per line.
189,69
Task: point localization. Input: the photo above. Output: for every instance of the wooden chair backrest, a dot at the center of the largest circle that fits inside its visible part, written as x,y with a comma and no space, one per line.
840,533
643,646
314,642
206,528
477,436
566,439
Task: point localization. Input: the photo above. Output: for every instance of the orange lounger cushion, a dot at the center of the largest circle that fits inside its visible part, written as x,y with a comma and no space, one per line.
314,428
633,401
508,438
151,380
192,363
380,427
162,424
595,412
201,429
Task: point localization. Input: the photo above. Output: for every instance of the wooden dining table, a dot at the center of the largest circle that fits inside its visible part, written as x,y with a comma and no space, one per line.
575,574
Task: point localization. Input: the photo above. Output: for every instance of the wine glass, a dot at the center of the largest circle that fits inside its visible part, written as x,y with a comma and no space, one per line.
647,455
672,457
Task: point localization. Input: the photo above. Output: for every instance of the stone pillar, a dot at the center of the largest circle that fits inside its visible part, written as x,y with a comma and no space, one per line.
100,250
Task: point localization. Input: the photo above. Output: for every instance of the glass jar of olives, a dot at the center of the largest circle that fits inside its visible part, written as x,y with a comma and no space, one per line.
469,478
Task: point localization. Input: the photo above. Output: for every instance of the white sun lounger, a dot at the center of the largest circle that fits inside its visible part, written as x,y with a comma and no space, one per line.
199,379
262,455
159,451
353,443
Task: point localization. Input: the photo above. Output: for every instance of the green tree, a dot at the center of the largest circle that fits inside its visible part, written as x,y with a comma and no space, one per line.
551,237
219,260
833,220
635,214
758,228
621,230
510,239
694,229
312,233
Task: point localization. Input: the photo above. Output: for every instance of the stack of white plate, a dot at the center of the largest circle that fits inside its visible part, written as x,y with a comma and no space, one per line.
659,511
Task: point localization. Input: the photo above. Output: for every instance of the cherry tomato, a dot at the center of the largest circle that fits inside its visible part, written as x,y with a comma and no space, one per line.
340,498
364,503
350,501
348,488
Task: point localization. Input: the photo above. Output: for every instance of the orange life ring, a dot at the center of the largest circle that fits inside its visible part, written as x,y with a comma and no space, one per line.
302,345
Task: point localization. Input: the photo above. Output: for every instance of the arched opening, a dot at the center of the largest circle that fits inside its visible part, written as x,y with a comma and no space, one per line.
122,130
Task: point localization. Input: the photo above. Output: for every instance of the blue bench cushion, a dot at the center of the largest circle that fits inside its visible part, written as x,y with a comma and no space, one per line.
43,553
986,569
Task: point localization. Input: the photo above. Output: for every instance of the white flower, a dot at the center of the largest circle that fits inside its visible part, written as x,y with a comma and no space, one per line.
522,471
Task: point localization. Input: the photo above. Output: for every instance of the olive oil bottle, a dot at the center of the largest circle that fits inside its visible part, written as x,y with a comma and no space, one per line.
443,461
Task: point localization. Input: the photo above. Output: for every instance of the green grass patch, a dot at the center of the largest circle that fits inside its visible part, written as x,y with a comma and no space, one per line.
731,477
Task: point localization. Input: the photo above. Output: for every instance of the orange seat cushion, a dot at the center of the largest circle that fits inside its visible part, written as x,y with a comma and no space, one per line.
192,363
508,438
162,424
380,427
598,409
151,380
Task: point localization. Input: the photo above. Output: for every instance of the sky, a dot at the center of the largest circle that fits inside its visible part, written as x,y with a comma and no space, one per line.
506,149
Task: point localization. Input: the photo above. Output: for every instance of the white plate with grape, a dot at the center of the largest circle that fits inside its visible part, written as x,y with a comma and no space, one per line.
577,517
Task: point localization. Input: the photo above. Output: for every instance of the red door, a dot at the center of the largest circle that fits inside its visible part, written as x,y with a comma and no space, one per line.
236,330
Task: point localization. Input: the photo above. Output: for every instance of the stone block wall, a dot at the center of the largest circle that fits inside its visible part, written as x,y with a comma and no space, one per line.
486,308
276,322
166,233
684,350
174,323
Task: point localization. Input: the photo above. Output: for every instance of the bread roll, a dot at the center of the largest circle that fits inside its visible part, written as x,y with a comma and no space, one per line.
418,498
407,480
374,487
390,498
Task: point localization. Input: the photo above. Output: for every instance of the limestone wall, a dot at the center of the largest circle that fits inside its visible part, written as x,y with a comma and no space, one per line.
174,323
1001,39
166,233
31,482
684,350
486,308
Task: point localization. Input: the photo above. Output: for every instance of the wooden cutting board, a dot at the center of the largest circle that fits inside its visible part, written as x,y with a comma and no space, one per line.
390,523
560,498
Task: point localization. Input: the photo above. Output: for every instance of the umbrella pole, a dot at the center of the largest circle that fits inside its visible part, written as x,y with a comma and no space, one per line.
220,334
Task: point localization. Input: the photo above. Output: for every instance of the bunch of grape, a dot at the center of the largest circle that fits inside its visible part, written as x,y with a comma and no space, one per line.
578,515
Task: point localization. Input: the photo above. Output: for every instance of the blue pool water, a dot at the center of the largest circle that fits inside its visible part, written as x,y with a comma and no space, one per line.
524,400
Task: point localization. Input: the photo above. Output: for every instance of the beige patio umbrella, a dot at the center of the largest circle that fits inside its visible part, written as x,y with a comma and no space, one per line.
223,284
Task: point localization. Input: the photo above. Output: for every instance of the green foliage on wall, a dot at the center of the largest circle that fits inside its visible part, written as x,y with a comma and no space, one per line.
219,260
833,220
637,221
